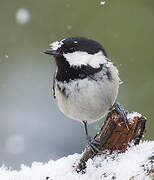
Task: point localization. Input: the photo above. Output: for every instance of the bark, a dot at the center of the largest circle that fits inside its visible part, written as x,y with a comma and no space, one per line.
115,135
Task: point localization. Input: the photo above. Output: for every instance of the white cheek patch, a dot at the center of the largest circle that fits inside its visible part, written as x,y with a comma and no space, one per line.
83,58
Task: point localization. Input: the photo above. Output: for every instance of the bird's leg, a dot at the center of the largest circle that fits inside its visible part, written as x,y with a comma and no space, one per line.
92,143
119,108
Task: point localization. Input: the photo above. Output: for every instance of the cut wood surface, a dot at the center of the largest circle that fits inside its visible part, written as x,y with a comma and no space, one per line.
115,135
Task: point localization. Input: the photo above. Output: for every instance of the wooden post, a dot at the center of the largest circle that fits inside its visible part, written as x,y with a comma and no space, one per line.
115,135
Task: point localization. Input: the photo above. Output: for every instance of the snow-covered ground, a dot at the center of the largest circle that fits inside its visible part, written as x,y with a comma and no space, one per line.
131,164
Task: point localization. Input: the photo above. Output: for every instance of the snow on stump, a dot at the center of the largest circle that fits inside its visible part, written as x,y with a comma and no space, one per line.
119,160
115,135
137,163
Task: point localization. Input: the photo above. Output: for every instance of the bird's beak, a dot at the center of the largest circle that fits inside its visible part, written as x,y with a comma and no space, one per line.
51,52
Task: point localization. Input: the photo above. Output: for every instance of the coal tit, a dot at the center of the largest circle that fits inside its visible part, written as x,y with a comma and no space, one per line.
86,82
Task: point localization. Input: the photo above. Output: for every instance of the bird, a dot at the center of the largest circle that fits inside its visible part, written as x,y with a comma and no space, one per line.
86,82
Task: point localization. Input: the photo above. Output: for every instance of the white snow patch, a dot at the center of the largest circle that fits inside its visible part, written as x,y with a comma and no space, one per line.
22,16
122,166
102,2
79,58
130,116
57,44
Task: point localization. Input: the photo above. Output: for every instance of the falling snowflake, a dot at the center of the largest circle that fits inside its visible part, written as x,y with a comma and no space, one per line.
102,2
69,27
22,16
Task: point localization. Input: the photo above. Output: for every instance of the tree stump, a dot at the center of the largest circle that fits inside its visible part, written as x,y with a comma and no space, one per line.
115,135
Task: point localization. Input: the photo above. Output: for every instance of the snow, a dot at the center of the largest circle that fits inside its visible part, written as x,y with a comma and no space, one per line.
57,44
102,2
68,5
69,27
22,16
132,163
130,116
6,56
15,144
83,58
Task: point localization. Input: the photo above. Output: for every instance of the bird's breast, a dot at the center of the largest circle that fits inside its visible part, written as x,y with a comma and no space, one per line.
87,99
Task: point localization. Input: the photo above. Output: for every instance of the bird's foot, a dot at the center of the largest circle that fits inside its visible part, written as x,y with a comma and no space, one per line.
119,108
93,144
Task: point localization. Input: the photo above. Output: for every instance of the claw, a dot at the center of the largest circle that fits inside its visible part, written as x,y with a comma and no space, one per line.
92,143
118,107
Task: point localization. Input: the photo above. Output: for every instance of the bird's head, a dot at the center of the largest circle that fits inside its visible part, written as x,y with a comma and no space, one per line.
75,54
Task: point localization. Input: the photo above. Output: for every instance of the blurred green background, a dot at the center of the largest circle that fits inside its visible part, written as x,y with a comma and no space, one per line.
31,126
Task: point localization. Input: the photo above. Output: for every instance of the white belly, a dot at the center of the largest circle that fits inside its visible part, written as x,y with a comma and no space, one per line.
87,100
